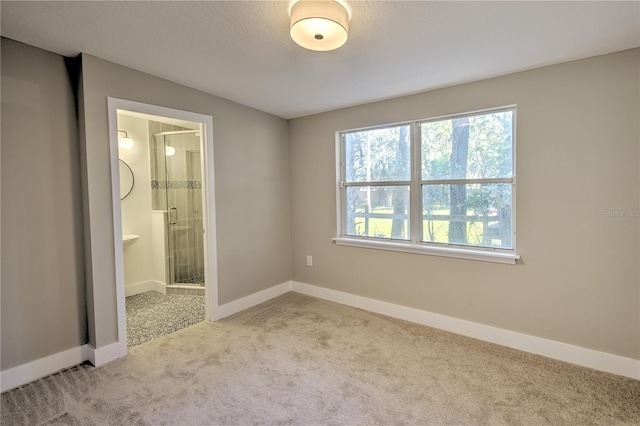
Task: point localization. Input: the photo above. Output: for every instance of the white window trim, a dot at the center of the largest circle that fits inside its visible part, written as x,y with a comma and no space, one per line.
471,253
485,254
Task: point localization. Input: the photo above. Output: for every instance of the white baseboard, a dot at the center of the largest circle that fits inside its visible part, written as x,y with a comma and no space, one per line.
26,373
34,370
101,356
23,374
552,349
137,288
251,300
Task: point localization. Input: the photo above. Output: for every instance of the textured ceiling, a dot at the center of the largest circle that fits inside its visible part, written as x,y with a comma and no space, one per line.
241,50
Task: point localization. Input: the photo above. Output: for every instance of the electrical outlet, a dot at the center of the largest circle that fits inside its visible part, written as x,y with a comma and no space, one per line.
309,260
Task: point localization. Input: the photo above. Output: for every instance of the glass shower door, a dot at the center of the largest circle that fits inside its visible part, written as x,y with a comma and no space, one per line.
183,200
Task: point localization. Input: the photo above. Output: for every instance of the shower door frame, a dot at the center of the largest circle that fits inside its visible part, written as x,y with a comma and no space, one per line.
208,204
172,268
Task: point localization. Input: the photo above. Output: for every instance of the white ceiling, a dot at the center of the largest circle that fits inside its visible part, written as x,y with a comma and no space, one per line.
241,50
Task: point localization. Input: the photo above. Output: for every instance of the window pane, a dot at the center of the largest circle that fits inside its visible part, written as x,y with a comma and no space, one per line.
476,215
476,147
378,211
378,155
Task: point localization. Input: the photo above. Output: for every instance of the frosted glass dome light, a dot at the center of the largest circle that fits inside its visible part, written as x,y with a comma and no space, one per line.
319,25
169,151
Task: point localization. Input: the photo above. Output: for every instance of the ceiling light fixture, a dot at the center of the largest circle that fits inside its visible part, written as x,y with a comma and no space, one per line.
126,142
169,151
319,24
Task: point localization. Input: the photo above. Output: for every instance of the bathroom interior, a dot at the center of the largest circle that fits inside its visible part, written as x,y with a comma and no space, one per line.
162,224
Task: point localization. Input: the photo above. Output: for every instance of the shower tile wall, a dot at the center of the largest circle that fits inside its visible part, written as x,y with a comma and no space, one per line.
183,191
195,242
158,176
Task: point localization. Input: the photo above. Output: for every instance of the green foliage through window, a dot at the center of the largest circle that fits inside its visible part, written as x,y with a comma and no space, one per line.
465,181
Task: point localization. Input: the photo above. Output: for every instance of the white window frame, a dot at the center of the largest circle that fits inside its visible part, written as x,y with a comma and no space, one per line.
414,244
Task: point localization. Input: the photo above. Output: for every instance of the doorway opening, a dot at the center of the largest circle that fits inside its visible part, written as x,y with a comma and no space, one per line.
164,221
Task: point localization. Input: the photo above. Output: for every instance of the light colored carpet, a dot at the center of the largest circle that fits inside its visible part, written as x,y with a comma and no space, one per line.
304,361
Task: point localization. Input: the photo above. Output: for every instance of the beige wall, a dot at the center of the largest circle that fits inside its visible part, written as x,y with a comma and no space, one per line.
577,157
43,297
252,187
45,306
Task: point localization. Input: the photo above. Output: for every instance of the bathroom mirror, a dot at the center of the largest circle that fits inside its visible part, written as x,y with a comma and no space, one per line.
126,180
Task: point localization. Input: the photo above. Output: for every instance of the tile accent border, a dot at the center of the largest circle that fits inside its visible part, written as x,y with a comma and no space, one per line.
176,184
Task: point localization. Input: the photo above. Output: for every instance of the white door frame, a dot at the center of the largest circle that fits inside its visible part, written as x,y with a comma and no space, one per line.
208,203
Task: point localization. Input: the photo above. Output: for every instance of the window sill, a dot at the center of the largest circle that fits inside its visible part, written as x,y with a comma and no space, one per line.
456,252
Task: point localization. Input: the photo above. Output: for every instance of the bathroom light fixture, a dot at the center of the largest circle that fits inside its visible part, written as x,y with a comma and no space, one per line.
169,151
319,24
126,142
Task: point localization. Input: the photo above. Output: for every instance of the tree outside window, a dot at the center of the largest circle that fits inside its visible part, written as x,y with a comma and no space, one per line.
463,175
